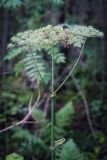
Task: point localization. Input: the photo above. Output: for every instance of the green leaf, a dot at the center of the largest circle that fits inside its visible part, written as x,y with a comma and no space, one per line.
38,114
13,53
11,3
57,2
65,115
59,57
34,62
70,151
14,156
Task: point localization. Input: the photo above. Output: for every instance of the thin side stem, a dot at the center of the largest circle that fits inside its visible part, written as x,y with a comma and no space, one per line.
75,64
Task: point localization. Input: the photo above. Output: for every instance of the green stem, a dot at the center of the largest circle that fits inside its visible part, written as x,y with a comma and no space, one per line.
52,110
52,129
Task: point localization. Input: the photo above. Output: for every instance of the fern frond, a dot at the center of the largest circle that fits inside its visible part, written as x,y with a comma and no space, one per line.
10,3
36,144
65,115
13,53
59,57
33,63
57,2
39,115
70,151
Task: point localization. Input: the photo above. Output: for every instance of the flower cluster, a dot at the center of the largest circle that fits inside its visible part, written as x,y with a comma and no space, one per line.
52,35
85,31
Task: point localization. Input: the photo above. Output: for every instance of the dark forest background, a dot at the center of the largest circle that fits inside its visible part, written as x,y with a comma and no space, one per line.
81,105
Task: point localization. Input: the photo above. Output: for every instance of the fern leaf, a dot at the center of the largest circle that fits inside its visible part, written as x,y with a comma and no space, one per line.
13,53
33,63
36,144
11,3
58,56
57,2
70,151
39,115
65,115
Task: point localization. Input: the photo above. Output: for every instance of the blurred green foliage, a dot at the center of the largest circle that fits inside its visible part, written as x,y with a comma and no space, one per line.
32,141
14,156
10,3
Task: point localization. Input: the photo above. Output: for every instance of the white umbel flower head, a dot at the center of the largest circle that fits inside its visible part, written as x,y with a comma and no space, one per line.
52,35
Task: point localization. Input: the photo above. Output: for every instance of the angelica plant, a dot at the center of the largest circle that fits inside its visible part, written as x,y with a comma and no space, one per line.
32,44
